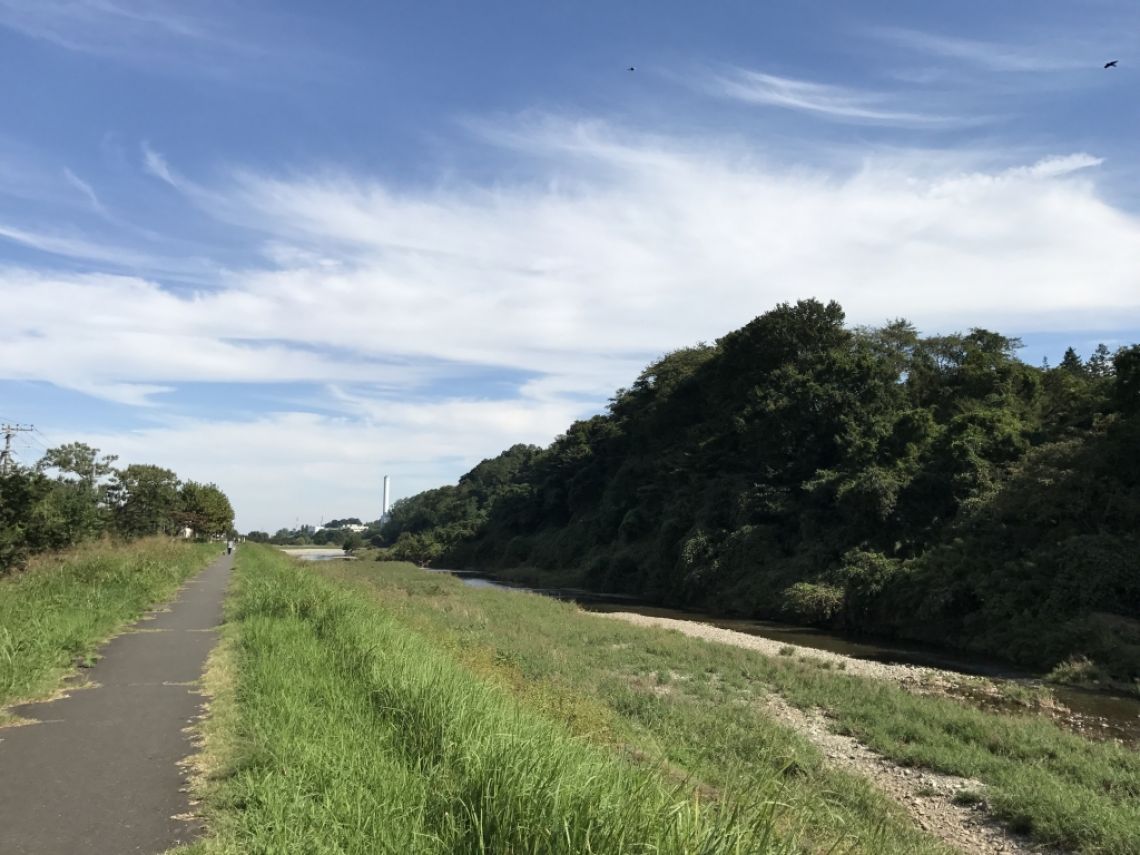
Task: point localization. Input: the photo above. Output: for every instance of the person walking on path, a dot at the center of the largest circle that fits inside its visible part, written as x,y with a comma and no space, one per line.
229,547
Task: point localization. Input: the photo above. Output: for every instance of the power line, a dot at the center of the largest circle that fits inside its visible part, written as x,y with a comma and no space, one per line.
34,439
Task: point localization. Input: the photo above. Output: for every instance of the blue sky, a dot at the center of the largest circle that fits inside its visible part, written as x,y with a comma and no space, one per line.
292,247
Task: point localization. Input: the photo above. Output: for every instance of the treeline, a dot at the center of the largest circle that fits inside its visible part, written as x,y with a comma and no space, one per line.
871,479
333,533
76,493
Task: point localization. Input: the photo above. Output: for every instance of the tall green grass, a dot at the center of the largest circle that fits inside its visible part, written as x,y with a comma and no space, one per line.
353,734
63,606
700,706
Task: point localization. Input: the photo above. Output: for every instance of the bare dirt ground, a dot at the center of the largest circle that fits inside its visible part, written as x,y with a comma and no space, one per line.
928,797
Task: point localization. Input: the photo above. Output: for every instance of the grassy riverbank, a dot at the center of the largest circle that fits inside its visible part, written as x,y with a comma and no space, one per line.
344,722
699,707
344,731
64,606
378,708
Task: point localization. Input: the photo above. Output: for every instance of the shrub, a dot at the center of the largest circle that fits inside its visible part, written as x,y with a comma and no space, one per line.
813,602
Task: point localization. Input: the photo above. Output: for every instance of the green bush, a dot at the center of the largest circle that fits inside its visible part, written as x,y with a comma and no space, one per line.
812,602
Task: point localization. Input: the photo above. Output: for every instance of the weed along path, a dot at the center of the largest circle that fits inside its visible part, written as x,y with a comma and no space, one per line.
98,770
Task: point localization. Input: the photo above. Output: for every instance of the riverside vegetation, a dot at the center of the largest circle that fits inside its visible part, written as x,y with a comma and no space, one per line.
871,480
56,612
377,708
74,494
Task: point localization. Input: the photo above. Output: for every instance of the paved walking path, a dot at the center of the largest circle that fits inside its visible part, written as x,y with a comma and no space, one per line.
99,773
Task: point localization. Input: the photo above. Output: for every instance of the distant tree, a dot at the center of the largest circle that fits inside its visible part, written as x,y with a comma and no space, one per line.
144,500
1072,363
1100,363
418,548
76,461
205,509
1127,386
257,537
352,542
329,536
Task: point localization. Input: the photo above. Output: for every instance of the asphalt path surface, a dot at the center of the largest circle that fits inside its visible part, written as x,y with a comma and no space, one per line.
99,772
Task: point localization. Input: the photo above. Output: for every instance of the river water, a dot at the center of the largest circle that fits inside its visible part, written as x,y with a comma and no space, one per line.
1097,714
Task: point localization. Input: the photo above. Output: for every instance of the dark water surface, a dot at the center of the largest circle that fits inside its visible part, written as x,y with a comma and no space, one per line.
1098,714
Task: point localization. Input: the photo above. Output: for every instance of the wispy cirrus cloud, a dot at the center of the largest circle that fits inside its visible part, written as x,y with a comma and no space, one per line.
86,190
627,249
1054,55
829,101
109,27
79,247
206,38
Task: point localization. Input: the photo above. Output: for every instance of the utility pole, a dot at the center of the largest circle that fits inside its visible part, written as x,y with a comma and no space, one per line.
9,432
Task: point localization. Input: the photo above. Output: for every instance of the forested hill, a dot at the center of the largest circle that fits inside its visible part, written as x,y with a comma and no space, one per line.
934,488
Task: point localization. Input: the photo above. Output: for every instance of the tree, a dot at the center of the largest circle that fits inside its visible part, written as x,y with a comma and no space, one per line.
1127,387
1100,363
77,461
21,531
76,503
352,542
144,500
205,509
1071,362
872,477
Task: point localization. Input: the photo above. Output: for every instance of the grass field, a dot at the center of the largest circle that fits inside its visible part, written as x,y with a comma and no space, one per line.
58,611
339,725
370,707
698,707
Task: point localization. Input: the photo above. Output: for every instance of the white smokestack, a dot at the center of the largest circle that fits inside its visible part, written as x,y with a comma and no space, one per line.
384,508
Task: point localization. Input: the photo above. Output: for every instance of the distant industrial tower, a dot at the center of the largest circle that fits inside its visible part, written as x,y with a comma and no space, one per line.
384,507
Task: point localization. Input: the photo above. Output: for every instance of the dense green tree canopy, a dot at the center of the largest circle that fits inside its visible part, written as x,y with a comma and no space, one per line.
205,509
875,479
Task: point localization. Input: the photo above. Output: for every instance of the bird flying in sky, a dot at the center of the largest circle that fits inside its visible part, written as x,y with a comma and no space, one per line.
1111,64
631,68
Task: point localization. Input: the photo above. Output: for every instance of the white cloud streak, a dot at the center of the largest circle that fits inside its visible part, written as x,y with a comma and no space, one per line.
839,103
86,189
72,246
126,29
638,251
991,55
